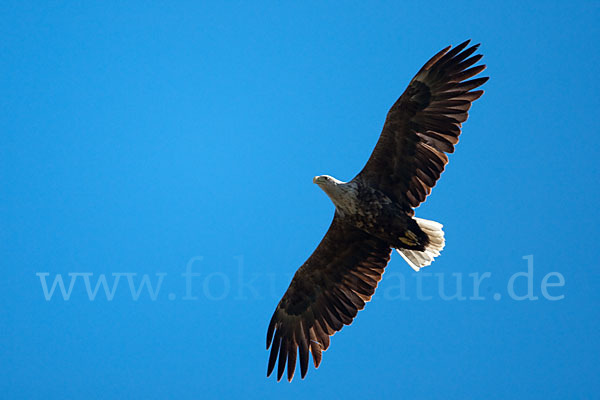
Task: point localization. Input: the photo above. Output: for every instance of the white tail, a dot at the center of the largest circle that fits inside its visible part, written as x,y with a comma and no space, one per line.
419,259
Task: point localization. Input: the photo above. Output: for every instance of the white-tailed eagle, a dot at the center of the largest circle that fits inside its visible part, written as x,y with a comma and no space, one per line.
374,212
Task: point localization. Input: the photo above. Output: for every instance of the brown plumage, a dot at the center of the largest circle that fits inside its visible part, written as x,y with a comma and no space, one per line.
374,212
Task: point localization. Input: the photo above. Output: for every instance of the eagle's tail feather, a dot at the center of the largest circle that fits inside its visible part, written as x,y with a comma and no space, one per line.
419,259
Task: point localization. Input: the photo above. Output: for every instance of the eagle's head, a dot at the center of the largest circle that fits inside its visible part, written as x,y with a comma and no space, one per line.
330,185
339,192
326,181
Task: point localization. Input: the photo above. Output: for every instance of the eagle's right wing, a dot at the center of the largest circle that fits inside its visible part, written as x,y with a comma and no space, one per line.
325,294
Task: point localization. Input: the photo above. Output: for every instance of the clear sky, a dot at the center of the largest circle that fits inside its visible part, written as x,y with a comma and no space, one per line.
143,139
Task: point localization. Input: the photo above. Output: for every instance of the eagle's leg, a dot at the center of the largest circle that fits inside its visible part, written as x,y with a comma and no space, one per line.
401,232
418,240
418,259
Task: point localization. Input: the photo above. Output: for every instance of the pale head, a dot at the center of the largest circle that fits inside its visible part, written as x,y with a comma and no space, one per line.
338,191
329,185
326,181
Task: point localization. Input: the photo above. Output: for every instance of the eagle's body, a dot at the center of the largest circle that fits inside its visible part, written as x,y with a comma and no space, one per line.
374,212
370,210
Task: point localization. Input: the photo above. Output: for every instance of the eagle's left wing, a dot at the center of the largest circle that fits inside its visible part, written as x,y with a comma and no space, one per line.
424,125
326,293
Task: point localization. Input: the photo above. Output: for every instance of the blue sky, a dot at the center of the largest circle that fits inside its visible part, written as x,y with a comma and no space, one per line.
144,139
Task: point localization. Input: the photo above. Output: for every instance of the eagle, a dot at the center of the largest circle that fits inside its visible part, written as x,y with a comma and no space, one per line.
374,212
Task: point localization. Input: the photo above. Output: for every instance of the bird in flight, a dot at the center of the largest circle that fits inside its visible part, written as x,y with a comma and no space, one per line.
374,212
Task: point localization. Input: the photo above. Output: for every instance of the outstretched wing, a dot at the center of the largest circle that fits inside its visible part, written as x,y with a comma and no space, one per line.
326,293
423,125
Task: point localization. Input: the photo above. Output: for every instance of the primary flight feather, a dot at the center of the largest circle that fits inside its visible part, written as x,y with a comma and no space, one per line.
374,212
